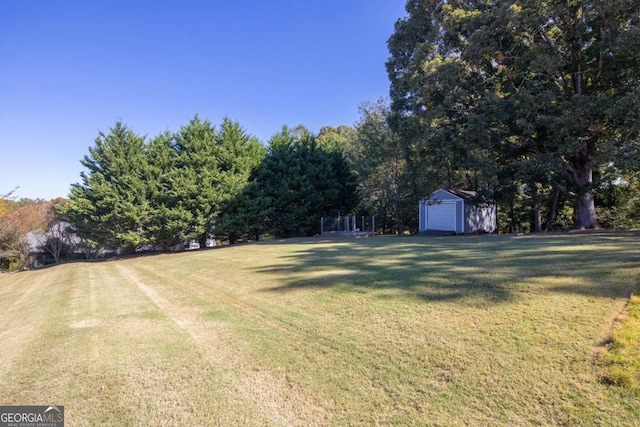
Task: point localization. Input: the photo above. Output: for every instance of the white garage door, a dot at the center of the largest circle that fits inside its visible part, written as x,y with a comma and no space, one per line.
441,216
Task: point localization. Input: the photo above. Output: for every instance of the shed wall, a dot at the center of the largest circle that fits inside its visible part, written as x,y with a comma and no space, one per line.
437,216
480,218
468,218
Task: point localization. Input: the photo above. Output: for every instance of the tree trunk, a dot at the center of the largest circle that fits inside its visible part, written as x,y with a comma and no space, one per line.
537,218
586,211
581,173
536,223
551,218
512,221
585,199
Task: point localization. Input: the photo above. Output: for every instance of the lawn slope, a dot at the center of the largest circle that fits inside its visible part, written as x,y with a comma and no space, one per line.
484,330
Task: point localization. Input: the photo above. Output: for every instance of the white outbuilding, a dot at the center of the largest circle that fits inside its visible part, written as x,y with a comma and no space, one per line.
457,211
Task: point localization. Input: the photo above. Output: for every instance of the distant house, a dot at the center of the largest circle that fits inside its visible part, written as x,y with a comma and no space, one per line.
457,211
52,242
37,239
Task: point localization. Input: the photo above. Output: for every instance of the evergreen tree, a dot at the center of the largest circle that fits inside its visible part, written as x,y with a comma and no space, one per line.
298,182
110,207
165,228
196,185
240,155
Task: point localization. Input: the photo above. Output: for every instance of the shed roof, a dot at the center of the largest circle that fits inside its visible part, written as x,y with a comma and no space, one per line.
463,194
455,194
450,193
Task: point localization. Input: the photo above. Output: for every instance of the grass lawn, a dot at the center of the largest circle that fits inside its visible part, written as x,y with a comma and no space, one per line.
476,330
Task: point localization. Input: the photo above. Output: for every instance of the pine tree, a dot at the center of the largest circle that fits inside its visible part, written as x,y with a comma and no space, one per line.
165,229
240,155
196,194
110,207
299,182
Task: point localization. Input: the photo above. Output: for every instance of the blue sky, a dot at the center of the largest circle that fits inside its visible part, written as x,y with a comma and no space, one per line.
69,69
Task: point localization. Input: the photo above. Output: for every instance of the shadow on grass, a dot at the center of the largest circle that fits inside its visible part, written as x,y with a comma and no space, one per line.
474,269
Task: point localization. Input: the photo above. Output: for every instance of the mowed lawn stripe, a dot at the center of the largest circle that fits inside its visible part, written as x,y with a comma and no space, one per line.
390,331
488,330
275,401
27,303
101,346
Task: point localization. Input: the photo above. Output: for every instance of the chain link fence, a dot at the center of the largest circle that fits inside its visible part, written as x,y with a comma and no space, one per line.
348,226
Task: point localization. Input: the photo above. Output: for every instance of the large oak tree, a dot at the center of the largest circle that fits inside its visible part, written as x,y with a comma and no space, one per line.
547,89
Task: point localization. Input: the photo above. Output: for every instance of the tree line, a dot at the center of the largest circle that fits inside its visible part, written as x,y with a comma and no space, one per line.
535,105
202,183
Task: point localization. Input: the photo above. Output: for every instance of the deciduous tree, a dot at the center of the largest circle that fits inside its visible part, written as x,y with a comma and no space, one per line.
379,160
26,216
480,86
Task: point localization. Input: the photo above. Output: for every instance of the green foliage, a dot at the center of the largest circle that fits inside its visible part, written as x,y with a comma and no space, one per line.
298,182
491,96
196,193
336,139
171,190
111,206
18,258
385,187
203,182
240,156
164,228
619,200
